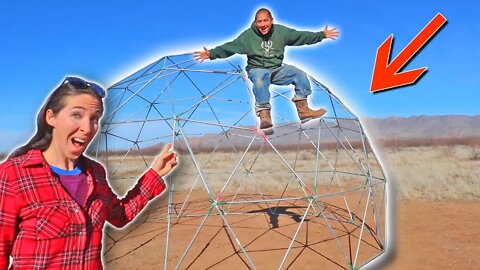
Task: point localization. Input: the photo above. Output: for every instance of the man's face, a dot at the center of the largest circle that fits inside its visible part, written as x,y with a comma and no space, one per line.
263,22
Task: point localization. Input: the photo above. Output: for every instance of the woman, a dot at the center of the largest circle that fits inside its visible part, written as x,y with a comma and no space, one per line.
54,201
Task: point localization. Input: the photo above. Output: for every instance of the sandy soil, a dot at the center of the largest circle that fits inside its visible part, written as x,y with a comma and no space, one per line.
436,235
427,235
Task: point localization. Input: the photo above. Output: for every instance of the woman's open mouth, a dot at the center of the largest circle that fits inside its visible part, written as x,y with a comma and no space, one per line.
78,143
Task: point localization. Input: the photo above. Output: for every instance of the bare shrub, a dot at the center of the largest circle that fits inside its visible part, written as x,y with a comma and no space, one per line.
416,142
475,154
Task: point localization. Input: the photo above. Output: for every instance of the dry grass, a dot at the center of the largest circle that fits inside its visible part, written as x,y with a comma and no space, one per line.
266,171
424,172
434,172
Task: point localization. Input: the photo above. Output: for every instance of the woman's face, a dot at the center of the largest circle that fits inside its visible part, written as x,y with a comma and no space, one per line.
74,126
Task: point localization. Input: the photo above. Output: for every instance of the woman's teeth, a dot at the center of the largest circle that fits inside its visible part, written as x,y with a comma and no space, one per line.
78,141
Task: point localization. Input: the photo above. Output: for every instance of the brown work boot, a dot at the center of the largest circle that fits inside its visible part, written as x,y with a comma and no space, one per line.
305,113
265,119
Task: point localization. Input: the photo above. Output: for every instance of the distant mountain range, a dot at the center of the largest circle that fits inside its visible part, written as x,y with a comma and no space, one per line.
444,126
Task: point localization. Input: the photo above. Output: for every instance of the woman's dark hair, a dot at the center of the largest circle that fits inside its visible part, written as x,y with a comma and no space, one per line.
56,102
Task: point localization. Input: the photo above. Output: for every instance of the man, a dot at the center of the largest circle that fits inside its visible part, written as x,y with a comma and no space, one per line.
264,44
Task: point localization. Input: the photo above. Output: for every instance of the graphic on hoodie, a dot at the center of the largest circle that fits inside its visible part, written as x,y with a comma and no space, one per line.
267,46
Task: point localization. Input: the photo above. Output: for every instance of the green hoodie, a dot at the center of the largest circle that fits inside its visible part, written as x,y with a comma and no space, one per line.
265,51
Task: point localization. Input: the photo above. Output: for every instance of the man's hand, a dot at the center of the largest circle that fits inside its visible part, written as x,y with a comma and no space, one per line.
165,162
202,55
331,33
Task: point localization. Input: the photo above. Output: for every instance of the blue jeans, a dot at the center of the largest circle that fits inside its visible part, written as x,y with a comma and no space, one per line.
283,75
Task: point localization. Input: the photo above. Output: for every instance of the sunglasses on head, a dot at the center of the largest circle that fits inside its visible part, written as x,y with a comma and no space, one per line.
82,84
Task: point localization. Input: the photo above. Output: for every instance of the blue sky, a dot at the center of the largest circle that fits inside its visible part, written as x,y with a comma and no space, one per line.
43,41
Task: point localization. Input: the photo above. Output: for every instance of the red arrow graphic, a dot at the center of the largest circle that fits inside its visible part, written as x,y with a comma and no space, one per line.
385,76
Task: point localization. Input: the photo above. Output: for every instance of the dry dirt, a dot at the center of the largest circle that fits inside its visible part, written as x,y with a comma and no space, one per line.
434,225
426,235
436,235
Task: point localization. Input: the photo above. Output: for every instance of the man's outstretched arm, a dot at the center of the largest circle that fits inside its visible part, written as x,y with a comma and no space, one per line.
299,38
223,51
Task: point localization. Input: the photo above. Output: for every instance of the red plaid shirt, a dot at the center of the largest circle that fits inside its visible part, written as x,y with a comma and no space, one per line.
41,226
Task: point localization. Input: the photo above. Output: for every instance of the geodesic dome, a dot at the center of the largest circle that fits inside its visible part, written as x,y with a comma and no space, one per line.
308,193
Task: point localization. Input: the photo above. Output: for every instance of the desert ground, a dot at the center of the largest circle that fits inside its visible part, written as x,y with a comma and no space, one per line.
433,195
